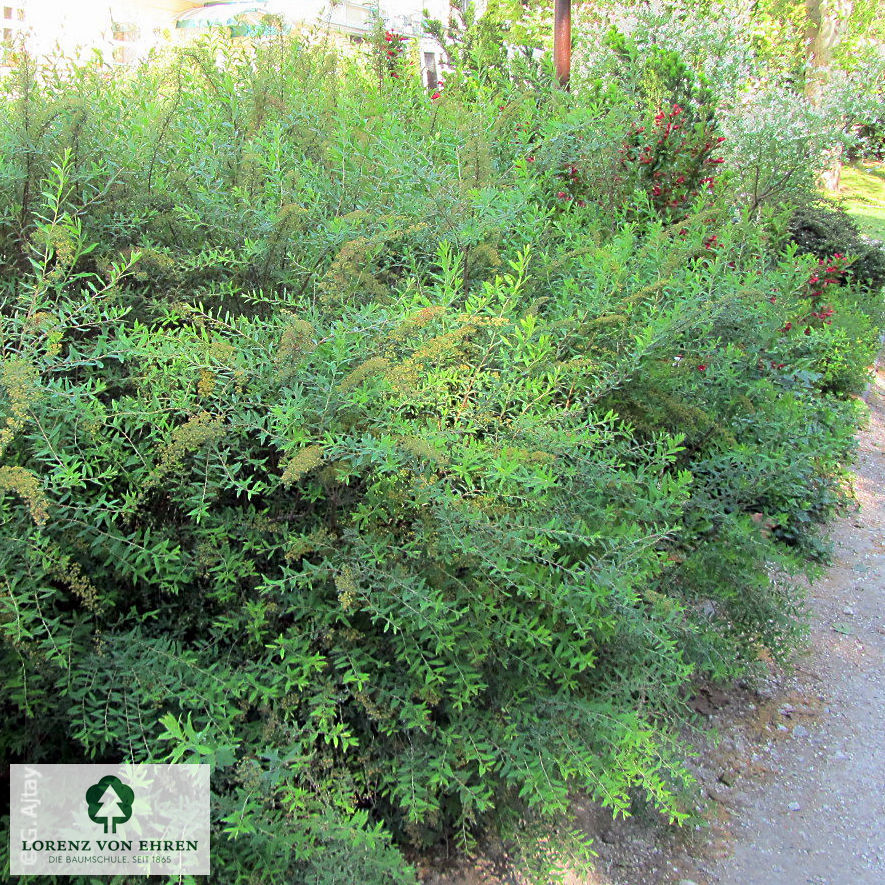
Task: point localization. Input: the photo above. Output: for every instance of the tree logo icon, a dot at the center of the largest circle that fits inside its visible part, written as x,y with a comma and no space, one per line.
110,802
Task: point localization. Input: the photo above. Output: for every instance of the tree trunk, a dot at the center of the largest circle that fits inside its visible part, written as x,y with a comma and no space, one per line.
825,27
825,24
562,40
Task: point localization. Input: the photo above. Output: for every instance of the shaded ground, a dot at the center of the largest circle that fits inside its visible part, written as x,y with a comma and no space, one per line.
795,786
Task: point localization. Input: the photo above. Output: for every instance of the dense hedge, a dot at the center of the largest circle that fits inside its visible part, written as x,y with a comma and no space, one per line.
824,230
399,456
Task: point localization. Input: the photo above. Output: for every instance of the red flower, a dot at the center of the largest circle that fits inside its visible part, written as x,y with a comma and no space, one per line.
562,195
702,367
787,327
435,96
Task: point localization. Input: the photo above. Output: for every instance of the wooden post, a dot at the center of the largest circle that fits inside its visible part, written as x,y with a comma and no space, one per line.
562,40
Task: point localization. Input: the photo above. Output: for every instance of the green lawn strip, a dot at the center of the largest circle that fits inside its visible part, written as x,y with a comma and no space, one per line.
863,197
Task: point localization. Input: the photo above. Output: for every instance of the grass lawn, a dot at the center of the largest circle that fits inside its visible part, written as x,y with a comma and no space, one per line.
863,196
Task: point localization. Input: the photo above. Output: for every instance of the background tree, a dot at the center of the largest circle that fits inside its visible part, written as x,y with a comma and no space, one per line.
476,36
826,24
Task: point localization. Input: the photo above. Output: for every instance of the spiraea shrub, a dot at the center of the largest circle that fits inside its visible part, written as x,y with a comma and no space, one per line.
337,453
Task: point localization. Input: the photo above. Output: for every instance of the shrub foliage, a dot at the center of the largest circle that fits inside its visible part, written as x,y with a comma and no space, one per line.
343,455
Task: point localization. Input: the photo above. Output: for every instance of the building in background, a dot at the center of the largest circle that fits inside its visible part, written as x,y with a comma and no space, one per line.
125,30
13,21
122,29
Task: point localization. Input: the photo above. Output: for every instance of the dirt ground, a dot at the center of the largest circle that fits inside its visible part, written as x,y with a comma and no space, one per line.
794,787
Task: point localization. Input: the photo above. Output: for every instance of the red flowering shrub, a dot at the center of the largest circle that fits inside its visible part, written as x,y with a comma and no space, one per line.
388,50
673,161
830,272
824,230
573,184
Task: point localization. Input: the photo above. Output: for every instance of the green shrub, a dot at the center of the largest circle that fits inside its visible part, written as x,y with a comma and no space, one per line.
663,77
825,230
335,457
870,141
